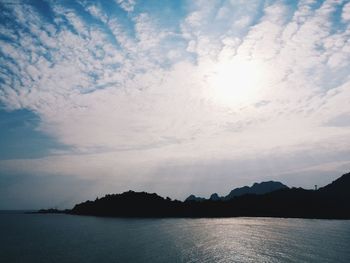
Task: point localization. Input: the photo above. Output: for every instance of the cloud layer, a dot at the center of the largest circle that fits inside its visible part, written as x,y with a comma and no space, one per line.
128,85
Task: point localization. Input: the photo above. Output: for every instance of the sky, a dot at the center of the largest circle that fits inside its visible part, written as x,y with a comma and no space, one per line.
173,97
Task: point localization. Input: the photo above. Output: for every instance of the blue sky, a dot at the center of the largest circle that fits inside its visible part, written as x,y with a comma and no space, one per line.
174,97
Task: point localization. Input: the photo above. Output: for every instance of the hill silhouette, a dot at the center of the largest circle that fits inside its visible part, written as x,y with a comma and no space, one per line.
256,188
195,198
329,202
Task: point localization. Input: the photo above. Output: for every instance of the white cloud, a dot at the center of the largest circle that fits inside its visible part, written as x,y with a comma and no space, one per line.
346,13
127,5
97,13
149,95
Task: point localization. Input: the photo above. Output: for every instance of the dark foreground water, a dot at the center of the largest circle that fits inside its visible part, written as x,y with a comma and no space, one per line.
66,238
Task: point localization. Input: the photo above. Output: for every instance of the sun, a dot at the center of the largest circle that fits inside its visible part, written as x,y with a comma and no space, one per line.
236,82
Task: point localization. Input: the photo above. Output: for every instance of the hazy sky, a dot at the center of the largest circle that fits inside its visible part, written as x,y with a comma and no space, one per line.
173,97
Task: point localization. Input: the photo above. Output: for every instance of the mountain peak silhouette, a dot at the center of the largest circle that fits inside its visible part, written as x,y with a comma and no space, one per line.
340,186
215,197
193,198
256,188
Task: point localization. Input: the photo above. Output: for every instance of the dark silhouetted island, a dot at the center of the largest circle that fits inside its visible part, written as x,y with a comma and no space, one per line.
267,199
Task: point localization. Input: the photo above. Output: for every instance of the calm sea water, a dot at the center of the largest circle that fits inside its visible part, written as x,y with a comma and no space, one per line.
66,238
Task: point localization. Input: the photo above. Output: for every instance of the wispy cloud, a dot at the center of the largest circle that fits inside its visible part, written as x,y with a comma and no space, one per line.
114,77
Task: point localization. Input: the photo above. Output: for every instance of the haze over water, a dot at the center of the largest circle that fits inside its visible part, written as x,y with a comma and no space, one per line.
66,238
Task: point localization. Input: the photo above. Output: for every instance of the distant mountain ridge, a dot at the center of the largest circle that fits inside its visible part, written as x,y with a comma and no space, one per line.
256,188
195,199
329,202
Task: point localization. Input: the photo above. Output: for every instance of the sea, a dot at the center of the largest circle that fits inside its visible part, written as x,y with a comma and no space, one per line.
70,238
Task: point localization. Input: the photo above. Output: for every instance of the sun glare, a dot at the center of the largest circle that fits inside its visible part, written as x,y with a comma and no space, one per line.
236,82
